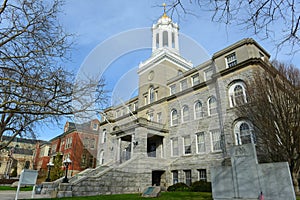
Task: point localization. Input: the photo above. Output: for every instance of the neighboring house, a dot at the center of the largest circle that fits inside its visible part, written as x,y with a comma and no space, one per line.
41,157
79,143
17,156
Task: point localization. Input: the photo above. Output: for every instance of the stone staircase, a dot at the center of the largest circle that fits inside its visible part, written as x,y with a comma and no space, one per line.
131,176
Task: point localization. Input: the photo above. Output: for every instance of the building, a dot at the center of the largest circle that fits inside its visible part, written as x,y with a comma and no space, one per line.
41,158
79,143
17,156
181,123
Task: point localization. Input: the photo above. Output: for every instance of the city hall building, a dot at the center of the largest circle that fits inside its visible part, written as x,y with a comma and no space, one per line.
181,123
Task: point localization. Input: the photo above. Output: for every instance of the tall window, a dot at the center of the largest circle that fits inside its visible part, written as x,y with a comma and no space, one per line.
244,133
185,113
150,116
175,176
165,38
151,95
231,60
158,117
104,136
101,160
173,89
188,177
183,84
202,175
237,94
174,117
212,105
187,145
200,142
195,79
92,143
198,110
174,144
216,140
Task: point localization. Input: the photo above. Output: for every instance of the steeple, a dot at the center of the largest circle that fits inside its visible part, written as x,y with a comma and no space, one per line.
165,34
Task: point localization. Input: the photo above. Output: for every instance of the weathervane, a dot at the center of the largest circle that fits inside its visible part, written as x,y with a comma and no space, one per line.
164,5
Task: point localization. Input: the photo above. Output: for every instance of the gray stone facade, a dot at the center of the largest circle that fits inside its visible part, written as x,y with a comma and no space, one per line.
181,123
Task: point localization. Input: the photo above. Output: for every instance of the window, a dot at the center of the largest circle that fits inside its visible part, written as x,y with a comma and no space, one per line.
244,133
200,142
92,143
68,143
150,116
195,79
151,95
174,117
158,117
104,136
175,176
207,74
135,106
187,145
174,143
95,127
86,142
185,114
173,89
237,94
216,140
202,175
101,160
231,60
183,84
188,177
165,38
198,110
179,72
212,105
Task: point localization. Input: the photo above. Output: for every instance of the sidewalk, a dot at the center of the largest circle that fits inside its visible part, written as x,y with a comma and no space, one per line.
11,195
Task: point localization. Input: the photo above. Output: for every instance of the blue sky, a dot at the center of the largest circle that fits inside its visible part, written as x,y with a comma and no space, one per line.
94,22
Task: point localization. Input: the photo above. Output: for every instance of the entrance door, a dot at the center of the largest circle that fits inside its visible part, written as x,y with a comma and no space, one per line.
156,177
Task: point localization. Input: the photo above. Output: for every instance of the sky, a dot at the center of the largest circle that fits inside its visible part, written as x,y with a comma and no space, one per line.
97,23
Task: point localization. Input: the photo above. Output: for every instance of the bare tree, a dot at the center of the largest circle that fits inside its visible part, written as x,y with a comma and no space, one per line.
274,109
264,17
33,84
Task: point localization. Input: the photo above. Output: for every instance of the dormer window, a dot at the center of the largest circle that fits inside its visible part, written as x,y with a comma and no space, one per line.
231,60
95,127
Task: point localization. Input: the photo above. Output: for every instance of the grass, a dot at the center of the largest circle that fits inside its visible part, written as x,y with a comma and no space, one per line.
163,196
27,188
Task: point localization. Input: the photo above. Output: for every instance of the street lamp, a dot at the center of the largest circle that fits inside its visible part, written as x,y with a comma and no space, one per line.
66,162
49,165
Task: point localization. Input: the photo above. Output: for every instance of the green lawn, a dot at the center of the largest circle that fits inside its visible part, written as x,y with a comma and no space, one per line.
163,196
29,188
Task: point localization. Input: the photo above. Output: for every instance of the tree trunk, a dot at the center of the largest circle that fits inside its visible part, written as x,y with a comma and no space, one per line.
295,182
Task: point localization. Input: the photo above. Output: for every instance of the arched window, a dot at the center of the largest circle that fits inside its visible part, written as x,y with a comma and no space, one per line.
185,113
212,105
104,136
237,94
174,117
165,39
198,110
151,94
243,132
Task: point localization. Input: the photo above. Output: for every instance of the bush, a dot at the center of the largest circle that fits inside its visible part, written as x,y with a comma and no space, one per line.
201,186
182,187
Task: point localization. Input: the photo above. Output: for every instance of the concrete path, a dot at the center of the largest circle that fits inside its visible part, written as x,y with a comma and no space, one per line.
11,195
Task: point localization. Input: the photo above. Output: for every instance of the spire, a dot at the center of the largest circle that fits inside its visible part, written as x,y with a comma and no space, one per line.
165,14
165,34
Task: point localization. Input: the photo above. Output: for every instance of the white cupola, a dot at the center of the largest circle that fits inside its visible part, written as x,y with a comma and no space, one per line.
165,34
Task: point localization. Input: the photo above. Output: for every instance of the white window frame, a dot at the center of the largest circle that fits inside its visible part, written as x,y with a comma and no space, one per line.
214,140
173,179
150,116
183,84
209,108
232,96
206,73
172,147
197,77
202,175
172,117
172,89
198,135
231,60
185,117
237,132
186,145
151,95
104,135
195,111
